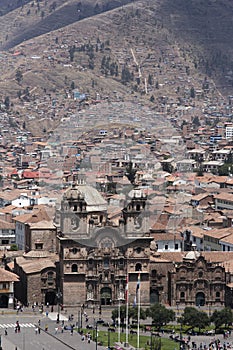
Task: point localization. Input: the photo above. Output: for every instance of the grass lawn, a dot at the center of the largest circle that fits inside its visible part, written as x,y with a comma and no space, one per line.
167,344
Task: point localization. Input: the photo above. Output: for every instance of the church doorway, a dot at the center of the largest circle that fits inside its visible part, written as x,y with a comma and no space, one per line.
106,296
154,296
4,301
50,297
200,299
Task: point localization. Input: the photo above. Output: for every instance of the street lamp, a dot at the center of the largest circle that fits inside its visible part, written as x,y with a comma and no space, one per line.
181,337
58,295
96,337
80,319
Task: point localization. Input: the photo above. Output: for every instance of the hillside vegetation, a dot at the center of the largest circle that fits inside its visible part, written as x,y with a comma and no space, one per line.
119,48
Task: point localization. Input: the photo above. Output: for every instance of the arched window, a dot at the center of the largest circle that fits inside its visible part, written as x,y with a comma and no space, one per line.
138,267
217,295
50,277
182,295
153,273
74,268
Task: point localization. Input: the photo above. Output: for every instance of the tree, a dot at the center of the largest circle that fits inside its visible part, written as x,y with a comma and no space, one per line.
126,76
160,315
152,98
18,76
222,317
192,92
71,52
195,318
7,102
150,79
131,172
14,247
196,121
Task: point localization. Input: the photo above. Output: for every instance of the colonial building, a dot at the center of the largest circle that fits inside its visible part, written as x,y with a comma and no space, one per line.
96,255
37,278
7,280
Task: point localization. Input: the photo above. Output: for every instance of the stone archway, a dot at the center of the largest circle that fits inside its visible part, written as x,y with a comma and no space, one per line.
200,299
106,296
50,297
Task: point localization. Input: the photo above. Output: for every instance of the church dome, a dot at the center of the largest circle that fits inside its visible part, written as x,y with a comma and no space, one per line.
73,192
192,255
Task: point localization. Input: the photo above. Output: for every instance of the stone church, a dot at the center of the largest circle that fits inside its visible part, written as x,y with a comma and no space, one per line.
96,256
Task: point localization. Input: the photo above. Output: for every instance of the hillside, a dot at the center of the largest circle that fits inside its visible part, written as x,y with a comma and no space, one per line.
156,51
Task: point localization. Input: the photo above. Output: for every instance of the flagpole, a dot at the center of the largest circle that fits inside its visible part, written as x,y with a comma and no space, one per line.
139,302
119,320
127,312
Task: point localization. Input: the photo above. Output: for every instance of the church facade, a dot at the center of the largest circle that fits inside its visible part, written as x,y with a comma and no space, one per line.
97,257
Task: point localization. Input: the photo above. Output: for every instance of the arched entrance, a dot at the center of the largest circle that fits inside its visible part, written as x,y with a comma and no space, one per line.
50,297
4,301
200,299
154,296
106,296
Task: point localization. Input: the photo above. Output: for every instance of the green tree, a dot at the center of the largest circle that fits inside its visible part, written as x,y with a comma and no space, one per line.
7,102
126,76
152,98
192,92
225,169
196,121
71,53
160,315
14,247
195,318
222,317
18,76
150,79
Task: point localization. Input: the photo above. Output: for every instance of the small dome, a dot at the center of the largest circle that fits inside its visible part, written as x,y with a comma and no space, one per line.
73,192
193,255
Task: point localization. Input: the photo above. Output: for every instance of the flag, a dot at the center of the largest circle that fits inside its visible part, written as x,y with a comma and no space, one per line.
138,283
126,289
137,289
